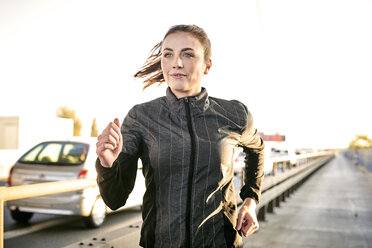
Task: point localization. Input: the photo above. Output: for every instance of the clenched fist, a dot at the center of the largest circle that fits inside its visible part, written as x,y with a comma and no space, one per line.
109,144
247,220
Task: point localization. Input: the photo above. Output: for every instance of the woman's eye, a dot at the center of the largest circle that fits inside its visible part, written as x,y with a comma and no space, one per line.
188,55
167,55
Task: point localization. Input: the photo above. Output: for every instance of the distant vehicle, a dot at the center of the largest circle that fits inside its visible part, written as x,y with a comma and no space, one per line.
283,151
59,161
272,150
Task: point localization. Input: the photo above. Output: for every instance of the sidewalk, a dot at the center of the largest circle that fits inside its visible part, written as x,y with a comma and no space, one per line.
332,209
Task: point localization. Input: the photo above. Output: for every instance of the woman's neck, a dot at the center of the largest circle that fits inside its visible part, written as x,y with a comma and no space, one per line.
183,94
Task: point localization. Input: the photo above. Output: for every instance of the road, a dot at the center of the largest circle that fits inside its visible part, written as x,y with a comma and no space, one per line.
331,209
56,231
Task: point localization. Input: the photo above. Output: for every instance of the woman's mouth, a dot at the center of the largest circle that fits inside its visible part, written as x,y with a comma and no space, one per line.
178,75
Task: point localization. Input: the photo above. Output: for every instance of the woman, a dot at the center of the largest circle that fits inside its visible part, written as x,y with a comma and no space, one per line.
185,141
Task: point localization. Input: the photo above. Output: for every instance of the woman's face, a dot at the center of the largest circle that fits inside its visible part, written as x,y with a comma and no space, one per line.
183,63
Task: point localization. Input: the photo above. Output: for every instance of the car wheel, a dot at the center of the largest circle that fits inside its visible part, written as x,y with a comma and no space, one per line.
98,214
21,217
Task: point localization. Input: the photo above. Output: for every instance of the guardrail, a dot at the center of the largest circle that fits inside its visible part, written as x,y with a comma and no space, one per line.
41,189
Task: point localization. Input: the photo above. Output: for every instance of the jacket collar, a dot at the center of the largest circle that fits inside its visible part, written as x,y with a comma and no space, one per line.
198,103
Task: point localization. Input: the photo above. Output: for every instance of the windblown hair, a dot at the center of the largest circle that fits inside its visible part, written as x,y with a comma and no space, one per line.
151,70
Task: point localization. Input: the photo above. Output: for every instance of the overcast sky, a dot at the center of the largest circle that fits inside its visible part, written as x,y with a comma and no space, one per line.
303,68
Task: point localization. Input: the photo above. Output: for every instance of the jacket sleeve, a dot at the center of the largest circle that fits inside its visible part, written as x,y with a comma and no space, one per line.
253,147
116,183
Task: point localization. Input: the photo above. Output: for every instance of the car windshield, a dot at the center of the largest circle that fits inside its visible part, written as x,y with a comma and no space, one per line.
56,153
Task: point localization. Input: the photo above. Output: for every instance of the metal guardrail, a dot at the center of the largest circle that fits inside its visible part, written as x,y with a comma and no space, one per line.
40,189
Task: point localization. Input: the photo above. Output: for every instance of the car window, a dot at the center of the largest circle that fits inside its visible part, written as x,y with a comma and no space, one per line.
50,153
55,153
74,154
31,155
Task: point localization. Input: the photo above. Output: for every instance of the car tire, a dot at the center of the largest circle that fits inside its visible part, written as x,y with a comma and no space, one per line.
97,215
21,217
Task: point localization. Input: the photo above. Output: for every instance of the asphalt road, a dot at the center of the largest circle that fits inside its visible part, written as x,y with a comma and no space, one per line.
56,231
333,208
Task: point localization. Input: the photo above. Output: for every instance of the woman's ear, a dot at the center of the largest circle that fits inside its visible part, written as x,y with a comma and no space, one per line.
208,66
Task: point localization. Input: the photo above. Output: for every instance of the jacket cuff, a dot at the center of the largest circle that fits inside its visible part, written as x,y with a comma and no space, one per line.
246,192
104,170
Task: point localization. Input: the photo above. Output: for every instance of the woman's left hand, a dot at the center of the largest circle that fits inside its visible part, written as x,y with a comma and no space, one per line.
247,219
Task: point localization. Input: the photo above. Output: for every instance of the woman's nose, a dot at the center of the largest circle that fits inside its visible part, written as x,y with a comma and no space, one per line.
177,63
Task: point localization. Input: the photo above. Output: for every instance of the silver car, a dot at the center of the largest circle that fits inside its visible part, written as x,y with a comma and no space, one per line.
59,161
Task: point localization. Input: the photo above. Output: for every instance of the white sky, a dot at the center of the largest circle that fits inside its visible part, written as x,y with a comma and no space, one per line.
303,68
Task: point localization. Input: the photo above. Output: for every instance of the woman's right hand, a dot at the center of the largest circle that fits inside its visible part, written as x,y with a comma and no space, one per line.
109,144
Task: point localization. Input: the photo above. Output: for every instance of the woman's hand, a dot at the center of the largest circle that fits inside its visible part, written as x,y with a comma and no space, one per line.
109,144
247,219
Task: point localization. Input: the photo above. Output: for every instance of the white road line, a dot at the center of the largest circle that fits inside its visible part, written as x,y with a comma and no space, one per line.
37,227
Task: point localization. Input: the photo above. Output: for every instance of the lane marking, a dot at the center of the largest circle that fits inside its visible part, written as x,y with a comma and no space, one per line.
37,227
40,226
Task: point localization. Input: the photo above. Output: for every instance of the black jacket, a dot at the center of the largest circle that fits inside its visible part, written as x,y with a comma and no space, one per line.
186,147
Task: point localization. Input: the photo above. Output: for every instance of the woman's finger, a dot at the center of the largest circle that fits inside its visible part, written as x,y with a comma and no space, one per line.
109,146
103,139
114,135
240,222
250,229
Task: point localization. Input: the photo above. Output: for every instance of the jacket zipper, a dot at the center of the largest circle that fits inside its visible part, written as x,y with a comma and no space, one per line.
191,176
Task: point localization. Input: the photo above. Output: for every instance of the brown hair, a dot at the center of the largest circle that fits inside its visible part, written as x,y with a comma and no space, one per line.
152,67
